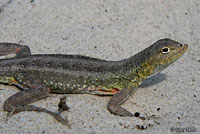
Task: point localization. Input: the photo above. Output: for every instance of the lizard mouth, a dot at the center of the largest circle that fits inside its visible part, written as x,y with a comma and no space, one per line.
182,50
185,47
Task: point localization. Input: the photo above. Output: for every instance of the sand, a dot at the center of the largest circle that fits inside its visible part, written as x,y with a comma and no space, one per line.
110,30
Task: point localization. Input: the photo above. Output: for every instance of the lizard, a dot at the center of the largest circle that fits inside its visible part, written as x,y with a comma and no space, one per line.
41,74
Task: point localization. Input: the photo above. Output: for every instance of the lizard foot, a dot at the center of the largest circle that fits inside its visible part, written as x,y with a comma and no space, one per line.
118,110
13,110
61,120
9,114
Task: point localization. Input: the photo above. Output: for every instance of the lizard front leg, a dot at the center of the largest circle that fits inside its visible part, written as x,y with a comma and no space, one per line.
35,90
119,98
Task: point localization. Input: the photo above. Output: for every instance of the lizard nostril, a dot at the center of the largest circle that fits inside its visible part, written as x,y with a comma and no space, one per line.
181,45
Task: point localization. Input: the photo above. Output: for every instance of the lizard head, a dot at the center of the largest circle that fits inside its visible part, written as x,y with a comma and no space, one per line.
163,53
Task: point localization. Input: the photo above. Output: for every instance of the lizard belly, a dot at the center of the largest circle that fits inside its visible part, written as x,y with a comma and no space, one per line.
87,83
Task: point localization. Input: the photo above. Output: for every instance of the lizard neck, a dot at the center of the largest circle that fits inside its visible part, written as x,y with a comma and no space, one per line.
138,67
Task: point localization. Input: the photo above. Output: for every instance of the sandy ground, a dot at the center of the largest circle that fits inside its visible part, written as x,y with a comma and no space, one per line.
112,30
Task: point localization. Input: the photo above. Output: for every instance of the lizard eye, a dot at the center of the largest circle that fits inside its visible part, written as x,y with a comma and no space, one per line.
165,50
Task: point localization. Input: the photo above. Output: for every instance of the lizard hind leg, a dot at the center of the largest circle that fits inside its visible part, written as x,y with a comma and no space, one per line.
36,90
10,50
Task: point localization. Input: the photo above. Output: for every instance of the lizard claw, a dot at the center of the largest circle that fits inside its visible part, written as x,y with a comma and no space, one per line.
62,120
11,113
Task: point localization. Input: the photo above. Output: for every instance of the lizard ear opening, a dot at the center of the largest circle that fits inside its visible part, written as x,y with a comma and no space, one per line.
165,50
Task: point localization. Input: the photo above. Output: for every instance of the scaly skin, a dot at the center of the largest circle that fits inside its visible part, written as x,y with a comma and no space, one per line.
44,74
10,50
